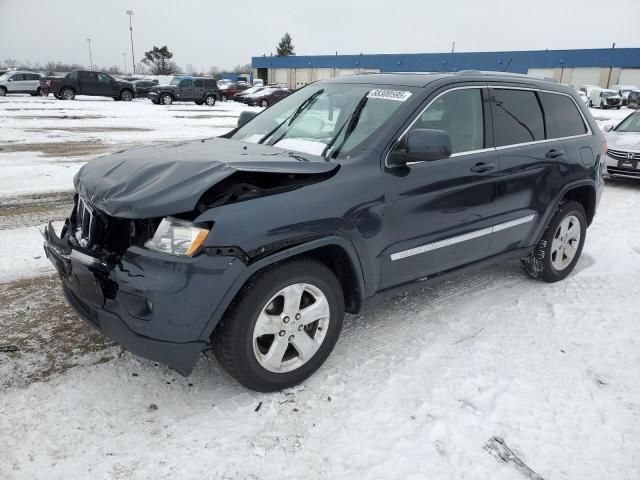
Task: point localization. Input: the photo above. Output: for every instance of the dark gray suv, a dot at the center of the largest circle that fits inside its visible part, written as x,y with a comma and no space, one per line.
259,241
186,89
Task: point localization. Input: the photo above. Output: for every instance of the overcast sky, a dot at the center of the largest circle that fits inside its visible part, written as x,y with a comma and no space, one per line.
205,33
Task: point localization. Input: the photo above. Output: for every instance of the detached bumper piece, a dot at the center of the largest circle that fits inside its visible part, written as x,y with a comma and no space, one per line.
155,305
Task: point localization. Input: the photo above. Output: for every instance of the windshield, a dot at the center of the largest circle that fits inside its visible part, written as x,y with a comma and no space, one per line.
609,94
325,120
175,81
630,124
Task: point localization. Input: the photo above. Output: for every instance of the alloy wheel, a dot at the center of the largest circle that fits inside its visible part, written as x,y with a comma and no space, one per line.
565,242
291,328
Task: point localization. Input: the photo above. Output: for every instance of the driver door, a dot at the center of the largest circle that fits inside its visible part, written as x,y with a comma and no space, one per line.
105,85
439,214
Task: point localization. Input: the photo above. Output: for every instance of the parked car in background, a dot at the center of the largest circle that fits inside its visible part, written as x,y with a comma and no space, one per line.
228,90
20,82
186,89
142,87
240,96
604,98
633,100
92,83
623,91
395,179
267,96
583,97
587,89
623,153
258,82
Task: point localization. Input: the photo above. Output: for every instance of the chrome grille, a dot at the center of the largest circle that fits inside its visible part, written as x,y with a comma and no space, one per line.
85,222
621,155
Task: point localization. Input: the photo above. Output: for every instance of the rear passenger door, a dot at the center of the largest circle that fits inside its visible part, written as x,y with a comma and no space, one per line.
532,165
88,83
198,89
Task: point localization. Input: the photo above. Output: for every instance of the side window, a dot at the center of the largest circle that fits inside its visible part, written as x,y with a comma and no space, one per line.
186,83
103,78
459,113
87,77
198,83
210,84
517,117
562,116
17,77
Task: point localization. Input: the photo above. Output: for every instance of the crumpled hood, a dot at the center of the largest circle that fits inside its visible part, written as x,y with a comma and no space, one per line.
169,179
625,141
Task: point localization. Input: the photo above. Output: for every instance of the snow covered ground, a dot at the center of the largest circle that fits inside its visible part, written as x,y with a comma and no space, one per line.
427,384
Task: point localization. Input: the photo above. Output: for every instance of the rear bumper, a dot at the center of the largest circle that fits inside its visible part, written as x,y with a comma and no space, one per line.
155,305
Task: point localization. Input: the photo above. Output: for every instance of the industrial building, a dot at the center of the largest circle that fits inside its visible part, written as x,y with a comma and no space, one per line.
602,66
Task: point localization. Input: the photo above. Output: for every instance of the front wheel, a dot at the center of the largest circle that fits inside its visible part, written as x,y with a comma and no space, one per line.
264,103
282,326
559,249
166,99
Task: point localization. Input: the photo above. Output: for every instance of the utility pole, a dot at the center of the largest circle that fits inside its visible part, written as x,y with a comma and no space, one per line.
124,63
133,58
453,47
90,58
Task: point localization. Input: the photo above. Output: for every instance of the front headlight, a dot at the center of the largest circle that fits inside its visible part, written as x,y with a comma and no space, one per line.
177,237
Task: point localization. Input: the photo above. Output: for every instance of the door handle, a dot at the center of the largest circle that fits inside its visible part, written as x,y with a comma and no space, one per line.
482,167
553,153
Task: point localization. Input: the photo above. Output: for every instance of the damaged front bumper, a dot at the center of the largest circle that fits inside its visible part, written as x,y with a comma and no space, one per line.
156,305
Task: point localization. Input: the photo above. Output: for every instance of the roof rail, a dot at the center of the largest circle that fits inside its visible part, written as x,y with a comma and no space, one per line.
505,74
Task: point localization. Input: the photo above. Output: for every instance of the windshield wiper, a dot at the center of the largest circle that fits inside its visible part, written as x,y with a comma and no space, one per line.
293,116
350,124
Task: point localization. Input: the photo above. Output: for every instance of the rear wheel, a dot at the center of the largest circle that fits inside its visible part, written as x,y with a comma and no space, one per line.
559,249
166,99
210,100
223,97
633,105
264,103
67,94
282,326
126,95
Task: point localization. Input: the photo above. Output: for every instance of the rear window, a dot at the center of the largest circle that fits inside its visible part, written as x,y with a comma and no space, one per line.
517,117
562,116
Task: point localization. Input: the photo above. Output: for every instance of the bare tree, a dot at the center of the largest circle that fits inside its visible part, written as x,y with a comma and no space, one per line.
246,68
142,68
214,72
11,62
114,70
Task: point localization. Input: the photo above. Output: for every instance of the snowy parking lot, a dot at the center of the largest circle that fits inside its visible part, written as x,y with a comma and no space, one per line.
457,379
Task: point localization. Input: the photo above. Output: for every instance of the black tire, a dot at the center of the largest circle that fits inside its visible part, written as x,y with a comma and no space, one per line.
126,95
3,92
264,103
539,263
57,96
223,97
633,105
198,102
67,93
618,107
166,99
155,102
232,341
117,99
210,100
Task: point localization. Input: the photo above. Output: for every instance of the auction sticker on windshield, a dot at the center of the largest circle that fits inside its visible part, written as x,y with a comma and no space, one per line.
397,95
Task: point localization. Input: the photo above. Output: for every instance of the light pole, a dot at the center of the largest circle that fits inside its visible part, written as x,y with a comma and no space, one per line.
90,58
133,58
124,63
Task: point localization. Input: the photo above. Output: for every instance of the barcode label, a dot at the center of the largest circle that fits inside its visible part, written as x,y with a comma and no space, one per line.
397,95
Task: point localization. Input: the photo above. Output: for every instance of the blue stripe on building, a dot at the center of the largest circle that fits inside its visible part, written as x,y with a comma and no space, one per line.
515,61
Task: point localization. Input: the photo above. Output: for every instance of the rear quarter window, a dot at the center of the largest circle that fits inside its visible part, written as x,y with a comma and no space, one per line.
517,117
562,116
209,84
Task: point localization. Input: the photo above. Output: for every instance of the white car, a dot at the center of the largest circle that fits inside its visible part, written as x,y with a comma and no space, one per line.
623,142
604,98
624,91
583,97
20,82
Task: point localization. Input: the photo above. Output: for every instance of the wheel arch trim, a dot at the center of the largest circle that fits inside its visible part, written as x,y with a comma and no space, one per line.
240,281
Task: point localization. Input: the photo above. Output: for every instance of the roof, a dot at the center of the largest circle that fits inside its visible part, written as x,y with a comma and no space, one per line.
510,61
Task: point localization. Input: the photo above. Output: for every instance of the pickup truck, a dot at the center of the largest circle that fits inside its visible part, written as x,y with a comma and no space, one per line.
85,82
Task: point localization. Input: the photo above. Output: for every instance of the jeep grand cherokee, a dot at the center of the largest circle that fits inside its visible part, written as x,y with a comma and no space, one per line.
259,241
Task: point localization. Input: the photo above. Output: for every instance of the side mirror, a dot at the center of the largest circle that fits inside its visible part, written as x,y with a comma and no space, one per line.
608,128
245,117
421,145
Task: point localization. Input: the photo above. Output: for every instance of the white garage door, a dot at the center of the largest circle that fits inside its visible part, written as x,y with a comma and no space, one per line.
323,73
541,72
630,76
584,76
345,71
303,77
281,75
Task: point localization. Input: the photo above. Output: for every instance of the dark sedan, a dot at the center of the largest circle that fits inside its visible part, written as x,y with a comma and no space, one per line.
267,97
142,87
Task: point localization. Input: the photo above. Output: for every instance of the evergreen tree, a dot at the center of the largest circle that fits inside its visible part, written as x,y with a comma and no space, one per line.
159,61
285,48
